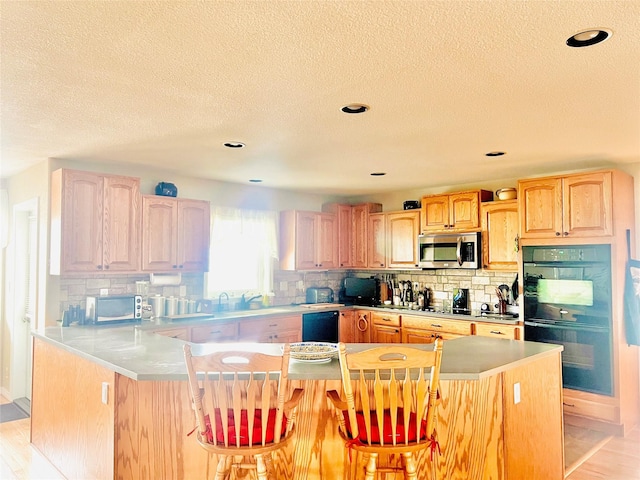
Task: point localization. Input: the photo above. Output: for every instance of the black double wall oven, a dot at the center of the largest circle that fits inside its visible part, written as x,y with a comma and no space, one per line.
567,301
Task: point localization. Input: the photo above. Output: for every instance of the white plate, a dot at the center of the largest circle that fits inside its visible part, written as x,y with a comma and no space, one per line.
312,360
313,351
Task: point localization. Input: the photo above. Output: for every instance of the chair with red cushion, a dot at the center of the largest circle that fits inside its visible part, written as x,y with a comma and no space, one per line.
390,395
241,406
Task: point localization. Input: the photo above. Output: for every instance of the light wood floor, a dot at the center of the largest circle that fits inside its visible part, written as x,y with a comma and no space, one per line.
617,459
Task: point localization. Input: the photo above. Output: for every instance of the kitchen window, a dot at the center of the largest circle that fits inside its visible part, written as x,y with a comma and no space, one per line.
243,251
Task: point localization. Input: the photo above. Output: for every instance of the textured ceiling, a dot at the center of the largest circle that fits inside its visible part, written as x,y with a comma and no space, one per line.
165,84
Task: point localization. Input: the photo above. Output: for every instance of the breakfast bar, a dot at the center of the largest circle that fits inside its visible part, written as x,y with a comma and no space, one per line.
118,407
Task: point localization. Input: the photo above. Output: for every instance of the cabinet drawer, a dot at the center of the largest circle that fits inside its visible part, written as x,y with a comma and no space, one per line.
586,408
458,327
498,330
216,332
258,327
390,319
179,333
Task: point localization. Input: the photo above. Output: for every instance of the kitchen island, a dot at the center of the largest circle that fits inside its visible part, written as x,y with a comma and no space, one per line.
114,403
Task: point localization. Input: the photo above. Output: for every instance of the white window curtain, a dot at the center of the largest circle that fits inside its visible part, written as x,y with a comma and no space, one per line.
244,248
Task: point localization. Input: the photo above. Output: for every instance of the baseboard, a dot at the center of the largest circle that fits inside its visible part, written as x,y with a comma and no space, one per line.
593,424
571,468
5,393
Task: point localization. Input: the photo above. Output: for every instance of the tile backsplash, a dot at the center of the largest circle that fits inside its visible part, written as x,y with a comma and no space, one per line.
290,287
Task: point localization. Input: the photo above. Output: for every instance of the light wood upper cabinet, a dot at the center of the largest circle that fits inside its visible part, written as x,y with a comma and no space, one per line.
500,235
308,240
570,206
402,239
353,222
377,243
393,239
453,212
95,223
175,234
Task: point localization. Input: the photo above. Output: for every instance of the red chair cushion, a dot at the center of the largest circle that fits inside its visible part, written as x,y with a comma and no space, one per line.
387,432
244,427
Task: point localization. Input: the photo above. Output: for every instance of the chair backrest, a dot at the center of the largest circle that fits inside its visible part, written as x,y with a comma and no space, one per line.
239,396
394,387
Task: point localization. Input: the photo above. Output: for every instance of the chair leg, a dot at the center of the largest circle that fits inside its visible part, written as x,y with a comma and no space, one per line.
411,472
261,468
370,470
223,467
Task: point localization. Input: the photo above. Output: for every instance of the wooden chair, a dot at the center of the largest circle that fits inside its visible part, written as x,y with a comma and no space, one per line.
388,386
240,405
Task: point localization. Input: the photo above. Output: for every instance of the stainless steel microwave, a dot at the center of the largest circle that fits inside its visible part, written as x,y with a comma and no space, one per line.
113,309
449,250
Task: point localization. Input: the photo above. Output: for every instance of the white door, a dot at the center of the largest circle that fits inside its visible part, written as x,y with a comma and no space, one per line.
23,303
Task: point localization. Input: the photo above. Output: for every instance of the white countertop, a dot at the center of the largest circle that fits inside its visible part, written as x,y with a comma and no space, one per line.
145,356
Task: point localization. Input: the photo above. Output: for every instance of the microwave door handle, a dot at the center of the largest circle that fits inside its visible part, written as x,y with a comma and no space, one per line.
458,251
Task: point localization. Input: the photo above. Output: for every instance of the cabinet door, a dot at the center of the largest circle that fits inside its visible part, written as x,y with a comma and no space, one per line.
82,221
362,329
305,240
402,239
513,332
345,233
377,255
121,219
435,213
347,326
414,335
327,241
587,207
464,212
540,207
500,235
216,332
385,334
193,236
179,333
159,242
359,235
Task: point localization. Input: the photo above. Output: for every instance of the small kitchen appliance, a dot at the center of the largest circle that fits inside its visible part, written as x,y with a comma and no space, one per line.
449,250
461,301
319,295
361,291
113,309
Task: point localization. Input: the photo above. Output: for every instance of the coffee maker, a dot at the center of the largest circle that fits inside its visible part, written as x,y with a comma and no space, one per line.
461,301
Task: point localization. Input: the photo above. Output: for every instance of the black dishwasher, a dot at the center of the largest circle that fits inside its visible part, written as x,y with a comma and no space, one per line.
320,327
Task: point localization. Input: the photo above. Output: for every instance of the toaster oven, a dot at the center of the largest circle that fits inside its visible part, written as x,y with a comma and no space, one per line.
319,295
113,309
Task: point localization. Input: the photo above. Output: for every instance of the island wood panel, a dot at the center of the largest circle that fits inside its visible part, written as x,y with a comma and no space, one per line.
69,423
533,428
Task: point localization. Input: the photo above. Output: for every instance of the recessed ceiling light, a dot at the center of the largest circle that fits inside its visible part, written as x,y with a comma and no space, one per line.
355,108
495,154
234,144
588,37
255,180
378,174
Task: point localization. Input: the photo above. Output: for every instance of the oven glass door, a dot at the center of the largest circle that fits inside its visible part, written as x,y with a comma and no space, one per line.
586,358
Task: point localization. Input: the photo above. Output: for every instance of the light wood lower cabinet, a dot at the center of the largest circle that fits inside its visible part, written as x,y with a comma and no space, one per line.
216,332
362,331
424,329
271,330
499,330
347,326
385,328
263,330
179,333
